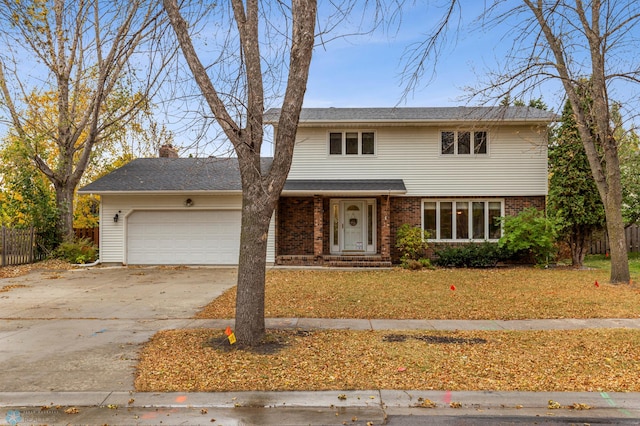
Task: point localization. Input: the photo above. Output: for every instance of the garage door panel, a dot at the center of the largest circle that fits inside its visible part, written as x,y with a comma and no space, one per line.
183,237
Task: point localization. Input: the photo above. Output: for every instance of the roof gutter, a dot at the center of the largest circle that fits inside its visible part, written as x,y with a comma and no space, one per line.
163,192
338,192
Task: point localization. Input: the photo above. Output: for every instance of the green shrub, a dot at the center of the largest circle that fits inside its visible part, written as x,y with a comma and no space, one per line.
79,251
529,233
472,255
411,241
416,265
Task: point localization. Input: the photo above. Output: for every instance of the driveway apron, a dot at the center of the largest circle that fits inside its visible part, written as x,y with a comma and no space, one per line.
81,330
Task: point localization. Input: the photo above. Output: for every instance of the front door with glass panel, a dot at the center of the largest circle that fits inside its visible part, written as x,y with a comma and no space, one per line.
353,225
353,229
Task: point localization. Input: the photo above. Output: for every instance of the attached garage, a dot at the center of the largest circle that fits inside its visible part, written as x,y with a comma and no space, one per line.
173,211
196,237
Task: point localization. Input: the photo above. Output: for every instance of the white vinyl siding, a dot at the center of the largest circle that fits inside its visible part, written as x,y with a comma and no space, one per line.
113,235
515,165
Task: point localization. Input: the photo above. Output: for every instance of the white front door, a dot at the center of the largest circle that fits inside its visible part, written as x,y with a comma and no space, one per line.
354,225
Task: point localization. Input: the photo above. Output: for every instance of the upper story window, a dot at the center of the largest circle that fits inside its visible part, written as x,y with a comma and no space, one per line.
352,143
463,142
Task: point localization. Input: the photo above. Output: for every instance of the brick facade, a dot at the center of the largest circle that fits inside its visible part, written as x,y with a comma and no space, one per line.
303,224
514,205
294,227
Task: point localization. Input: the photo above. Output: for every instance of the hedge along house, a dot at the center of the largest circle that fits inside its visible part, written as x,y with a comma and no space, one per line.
357,175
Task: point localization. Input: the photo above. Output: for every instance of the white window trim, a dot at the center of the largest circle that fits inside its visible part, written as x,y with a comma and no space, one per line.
470,222
344,143
455,144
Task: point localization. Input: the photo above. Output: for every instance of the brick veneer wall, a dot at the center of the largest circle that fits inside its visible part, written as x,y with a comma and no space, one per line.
514,205
409,210
295,221
295,226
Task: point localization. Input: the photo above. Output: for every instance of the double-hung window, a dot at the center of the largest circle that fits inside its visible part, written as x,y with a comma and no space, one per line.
464,220
352,143
463,142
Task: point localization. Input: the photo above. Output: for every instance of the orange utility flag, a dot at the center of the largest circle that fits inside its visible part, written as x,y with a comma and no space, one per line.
228,331
596,284
453,287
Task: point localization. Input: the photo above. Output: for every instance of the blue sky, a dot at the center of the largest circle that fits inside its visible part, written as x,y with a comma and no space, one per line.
365,71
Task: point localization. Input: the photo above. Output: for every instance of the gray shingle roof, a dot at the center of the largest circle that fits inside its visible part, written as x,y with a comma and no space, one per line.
426,114
215,175
173,174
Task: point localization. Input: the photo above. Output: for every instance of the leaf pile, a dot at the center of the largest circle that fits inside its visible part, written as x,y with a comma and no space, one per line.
19,270
513,293
582,360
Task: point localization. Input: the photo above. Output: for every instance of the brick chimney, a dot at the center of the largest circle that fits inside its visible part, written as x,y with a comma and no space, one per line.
168,151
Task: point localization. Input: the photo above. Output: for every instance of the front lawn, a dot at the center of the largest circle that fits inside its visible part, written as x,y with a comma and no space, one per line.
600,261
501,293
567,360
555,360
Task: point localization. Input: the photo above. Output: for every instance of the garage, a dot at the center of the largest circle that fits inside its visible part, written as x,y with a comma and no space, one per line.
184,237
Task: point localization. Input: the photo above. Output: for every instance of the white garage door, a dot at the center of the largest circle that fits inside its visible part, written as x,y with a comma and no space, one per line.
194,237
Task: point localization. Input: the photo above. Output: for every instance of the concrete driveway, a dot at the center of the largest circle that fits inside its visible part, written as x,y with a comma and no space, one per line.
81,330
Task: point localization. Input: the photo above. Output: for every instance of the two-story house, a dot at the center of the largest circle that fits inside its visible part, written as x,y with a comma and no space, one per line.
357,175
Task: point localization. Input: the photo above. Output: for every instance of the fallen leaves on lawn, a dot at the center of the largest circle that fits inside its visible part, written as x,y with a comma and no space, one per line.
500,293
556,360
19,270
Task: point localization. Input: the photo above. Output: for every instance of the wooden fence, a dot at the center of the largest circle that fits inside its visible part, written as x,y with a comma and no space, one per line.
601,245
92,234
19,246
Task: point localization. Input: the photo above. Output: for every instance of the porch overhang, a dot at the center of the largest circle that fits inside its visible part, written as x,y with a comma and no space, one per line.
350,187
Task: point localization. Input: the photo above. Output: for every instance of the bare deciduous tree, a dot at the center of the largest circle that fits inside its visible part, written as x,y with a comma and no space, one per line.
79,55
260,188
570,42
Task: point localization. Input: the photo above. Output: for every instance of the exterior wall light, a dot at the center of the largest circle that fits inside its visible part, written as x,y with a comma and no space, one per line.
115,218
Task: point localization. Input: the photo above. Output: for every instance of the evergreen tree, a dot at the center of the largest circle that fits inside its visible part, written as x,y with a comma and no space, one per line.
573,196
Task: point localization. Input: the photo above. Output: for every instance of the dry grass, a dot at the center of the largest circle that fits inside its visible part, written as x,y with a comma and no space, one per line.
515,293
581,360
47,265
584,360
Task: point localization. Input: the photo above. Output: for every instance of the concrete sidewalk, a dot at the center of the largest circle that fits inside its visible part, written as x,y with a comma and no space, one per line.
444,325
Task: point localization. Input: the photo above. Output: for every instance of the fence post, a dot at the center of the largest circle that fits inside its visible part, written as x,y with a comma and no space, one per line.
31,246
4,247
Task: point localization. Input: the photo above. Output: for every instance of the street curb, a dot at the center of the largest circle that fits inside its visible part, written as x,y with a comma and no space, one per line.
366,398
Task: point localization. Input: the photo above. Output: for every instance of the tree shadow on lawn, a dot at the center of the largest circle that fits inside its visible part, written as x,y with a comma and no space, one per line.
274,343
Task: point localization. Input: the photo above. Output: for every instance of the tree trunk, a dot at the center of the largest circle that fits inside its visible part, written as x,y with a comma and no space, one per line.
579,243
256,216
617,241
64,204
